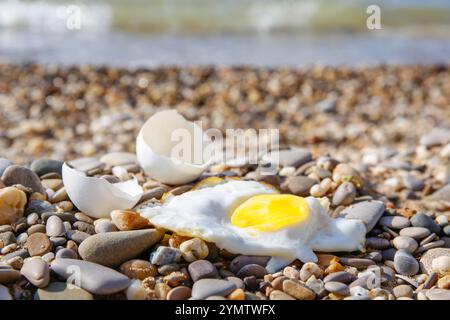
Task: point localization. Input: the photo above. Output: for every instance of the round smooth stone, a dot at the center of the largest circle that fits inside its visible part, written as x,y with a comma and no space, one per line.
8,275
344,194
438,294
252,270
36,271
212,287
38,244
340,276
179,293
415,232
138,269
394,222
405,243
403,290
66,254
62,291
405,263
55,227
425,221
369,212
43,166
337,288
202,269
15,174
297,290
240,261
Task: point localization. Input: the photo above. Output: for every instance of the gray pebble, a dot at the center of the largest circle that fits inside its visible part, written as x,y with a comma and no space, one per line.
337,288
242,260
344,194
54,227
7,238
359,263
340,276
165,255
377,243
66,254
405,243
368,212
202,269
389,254
415,232
104,226
425,221
15,174
36,271
77,236
212,287
252,270
43,166
405,263
299,185
394,222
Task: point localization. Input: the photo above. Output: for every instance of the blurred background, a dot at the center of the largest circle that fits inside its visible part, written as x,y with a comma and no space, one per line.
223,32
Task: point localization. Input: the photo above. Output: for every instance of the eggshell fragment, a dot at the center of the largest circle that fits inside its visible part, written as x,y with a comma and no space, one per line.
158,142
97,197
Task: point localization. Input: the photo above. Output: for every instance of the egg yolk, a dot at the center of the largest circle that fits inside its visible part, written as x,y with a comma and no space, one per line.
270,212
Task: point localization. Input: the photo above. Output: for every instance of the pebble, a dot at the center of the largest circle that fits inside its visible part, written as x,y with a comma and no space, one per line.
299,185
337,288
32,219
62,291
66,254
405,243
316,285
368,212
126,220
297,290
437,136
36,271
43,166
425,221
77,236
38,244
8,275
340,276
202,269
118,158
240,261
12,204
444,282
86,164
179,293
394,222
55,227
7,238
113,248
403,290
442,220
441,265
438,294
92,277
344,172
15,174
4,163
4,293
85,227
310,269
37,228
18,253
405,263
60,195
377,243
359,263
104,225
165,255
415,232
138,269
204,288
194,249
443,194
240,283
292,157
136,291
255,270
280,295
344,194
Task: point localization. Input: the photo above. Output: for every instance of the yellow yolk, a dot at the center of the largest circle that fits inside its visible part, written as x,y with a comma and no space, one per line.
270,212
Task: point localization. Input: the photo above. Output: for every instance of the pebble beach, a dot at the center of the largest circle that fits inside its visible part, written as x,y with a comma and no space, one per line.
373,142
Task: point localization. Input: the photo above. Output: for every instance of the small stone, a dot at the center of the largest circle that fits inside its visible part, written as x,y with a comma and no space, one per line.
405,263
43,166
104,225
77,236
239,282
165,255
415,232
340,276
55,227
242,260
442,220
66,254
85,227
18,253
7,238
113,248
291,272
444,282
425,221
368,212
138,269
394,222
405,243
316,285
93,277
12,204
377,243
126,220
179,293
169,268
194,249
37,228
237,294
174,279
38,244
15,174
212,287
252,270
280,295
441,265
344,172
202,269
337,288
344,194
8,275
62,291
297,290
310,269
60,195
36,271
359,263
292,157
438,294
136,291
438,136
403,290
299,185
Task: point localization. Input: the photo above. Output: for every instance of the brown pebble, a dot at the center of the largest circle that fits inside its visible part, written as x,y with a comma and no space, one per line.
38,244
179,293
138,269
280,295
297,290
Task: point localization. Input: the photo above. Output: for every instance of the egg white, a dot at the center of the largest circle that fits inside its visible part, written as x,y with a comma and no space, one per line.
205,213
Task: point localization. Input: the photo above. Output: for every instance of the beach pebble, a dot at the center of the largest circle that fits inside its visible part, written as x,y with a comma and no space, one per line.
280,295
38,244
345,172
77,236
113,248
310,269
165,255
299,185
441,265
104,225
425,221
405,263
136,291
337,288
359,263
8,275
292,157
368,212
340,276
7,238
36,271
297,290
442,220
427,258
138,269
359,291
126,220
437,136
403,290
179,293
316,285
345,194
251,280
66,254
12,204
405,243
255,270
377,243
62,291
194,249
202,269
438,294
204,288
394,222
240,261
43,166
55,227
15,174
93,277
415,232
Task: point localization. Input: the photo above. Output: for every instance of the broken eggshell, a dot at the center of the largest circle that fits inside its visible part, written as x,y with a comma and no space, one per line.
160,141
97,197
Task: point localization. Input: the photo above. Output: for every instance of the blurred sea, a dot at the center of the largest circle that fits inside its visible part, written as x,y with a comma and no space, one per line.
223,32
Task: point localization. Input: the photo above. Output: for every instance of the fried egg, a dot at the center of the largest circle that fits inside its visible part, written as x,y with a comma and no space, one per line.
248,217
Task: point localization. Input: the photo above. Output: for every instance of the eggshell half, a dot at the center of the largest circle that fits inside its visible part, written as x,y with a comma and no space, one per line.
156,143
97,197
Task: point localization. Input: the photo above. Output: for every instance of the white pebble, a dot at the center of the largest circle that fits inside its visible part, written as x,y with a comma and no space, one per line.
287,171
22,238
32,218
442,220
441,265
135,291
317,191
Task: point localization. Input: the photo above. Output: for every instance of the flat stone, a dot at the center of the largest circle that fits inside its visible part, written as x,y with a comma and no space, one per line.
55,227
405,263
340,276
377,243
165,255
438,136
36,271
243,260
15,174
405,243
425,221
38,244
369,212
179,293
337,288
280,295
62,291
92,277
23,253
253,269
359,263
113,248
438,294
6,238
292,157
8,275
426,261
104,226
118,158
84,227
394,222
202,269
415,232
299,185
204,288
403,290
43,166
344,194
297,290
